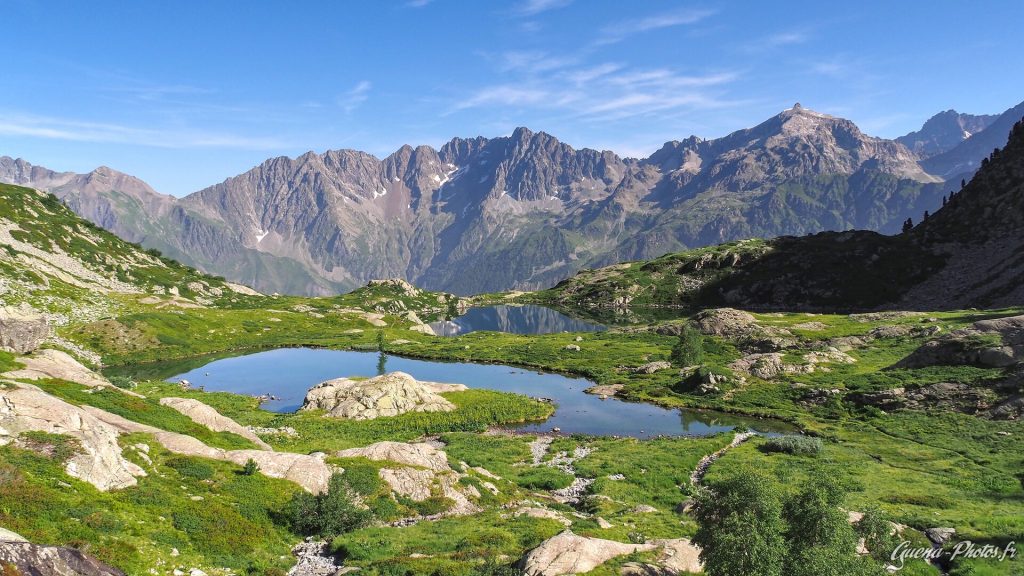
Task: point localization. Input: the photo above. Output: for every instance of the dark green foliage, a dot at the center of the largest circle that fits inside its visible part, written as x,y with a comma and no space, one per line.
741,530
193,468
794,444
748,528
364,480
689,350
123,382
250,468
325,515
878,534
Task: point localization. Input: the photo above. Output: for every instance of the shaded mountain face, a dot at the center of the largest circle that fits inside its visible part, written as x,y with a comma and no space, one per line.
945,131
968,254
964,159
522,211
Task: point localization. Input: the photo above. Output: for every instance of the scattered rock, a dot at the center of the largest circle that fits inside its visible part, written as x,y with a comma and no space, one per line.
535,512
572,348
386,395
22,329
967,346
651,367
206,416
727,322
829,355
813,326
397,284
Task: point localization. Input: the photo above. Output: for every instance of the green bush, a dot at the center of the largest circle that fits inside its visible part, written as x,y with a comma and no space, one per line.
796,445
328,514
191,468
250,468
123,382
689,349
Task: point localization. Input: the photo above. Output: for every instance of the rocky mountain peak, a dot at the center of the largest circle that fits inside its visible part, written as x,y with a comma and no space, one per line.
944,131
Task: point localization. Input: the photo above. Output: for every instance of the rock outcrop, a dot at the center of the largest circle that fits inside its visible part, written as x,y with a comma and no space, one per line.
422,470
307,470
47,364
22,330
386,395
973,346
568,553
206,416
100,462
34,560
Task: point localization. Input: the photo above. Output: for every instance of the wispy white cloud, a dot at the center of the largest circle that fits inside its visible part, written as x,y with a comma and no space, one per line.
620,31
503,95
418,3
601,92
13,124
534,7
352,99
533,61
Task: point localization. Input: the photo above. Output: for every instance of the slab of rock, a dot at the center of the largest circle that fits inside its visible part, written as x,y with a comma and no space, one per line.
727,322
421,455
47,364
8,536
26,408
205,415
423,329
22,329
568,553
651,367
535,512
307,470
386,395
35,560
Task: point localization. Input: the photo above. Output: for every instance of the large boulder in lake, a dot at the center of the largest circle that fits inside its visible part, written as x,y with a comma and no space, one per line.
27,558
22,330
386,395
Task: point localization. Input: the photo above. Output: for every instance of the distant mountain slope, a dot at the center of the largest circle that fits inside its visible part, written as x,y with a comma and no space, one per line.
522,211
945,131
964,159
969,254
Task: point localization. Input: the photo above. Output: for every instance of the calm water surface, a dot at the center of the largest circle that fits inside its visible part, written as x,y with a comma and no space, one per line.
527,319
289,372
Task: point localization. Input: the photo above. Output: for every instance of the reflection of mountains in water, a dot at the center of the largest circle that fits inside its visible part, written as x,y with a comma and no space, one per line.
527,319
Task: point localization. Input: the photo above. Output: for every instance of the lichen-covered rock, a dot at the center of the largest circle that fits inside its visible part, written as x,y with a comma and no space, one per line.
421,455
22,330
727,322
35,560
386,395
26,408
206,416
652,367
422,470
568,553
423,329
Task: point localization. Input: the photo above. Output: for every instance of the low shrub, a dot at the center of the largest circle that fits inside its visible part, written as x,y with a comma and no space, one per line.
191,468
793,444
328,514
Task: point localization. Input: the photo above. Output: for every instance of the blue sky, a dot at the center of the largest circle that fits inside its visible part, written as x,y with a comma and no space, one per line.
185,94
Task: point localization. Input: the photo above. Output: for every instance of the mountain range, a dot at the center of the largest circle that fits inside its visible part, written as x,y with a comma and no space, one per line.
526,210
